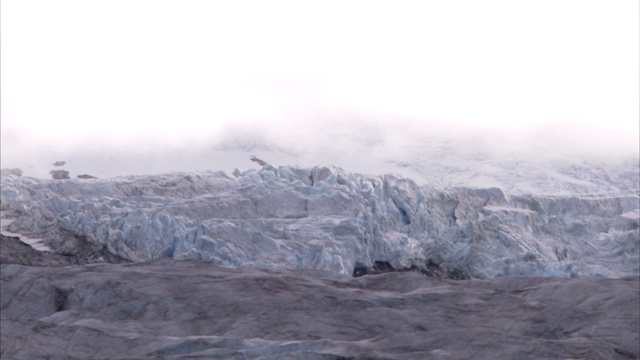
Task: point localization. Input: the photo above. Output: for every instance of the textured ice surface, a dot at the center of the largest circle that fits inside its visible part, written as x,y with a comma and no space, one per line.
325,218
169,309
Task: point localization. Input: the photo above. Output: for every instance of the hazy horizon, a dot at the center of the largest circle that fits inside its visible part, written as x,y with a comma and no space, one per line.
100,82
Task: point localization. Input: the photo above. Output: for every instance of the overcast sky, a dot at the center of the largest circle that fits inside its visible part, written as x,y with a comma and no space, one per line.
146,75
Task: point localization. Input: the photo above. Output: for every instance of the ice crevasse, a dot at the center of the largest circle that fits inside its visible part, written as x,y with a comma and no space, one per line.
326,218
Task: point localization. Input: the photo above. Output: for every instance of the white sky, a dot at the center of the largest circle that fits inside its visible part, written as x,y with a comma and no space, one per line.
148,74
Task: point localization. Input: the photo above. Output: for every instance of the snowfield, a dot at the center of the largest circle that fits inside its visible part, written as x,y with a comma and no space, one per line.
328,219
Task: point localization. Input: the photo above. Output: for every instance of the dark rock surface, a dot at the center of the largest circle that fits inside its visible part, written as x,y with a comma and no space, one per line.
429,269
169,309
86,177
80,252
259,161
59,174
14,251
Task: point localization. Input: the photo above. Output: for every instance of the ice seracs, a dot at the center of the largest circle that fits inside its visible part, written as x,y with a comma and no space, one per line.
326,218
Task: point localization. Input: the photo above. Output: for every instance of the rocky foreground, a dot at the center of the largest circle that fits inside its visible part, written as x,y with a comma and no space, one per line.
169,309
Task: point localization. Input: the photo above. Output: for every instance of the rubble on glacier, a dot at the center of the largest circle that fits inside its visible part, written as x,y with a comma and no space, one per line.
172,309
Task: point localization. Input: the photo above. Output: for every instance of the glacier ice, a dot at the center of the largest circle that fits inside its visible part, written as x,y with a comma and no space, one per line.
326,218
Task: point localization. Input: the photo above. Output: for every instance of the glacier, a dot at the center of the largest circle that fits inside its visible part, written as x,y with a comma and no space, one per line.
325,218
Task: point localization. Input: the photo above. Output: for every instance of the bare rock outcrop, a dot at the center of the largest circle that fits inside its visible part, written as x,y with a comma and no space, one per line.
79,252
86,177
259,161
59,174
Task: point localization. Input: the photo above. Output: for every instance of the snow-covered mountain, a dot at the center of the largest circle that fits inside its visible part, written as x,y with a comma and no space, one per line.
327,218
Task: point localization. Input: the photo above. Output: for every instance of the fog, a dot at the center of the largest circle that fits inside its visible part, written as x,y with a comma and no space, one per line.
137,87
